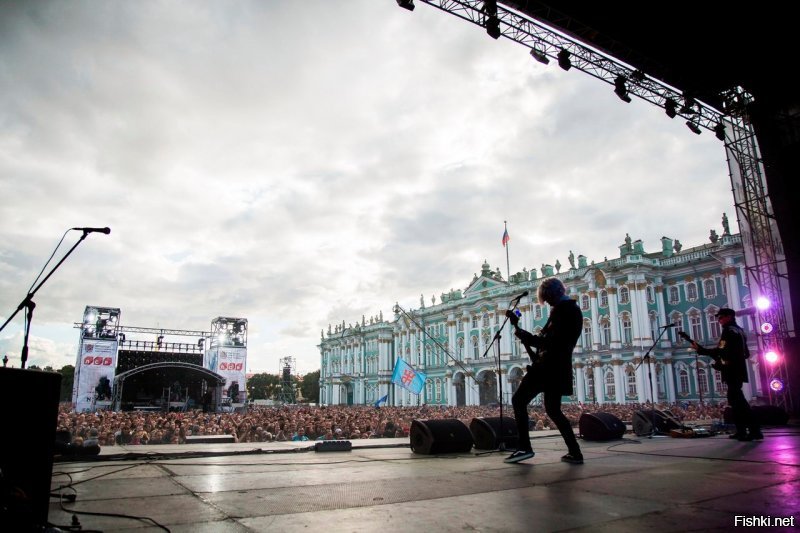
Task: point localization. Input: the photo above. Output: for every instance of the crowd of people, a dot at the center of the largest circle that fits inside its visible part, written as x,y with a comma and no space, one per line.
300,422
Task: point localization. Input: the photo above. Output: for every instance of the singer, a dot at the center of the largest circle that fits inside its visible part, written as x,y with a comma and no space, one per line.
551,369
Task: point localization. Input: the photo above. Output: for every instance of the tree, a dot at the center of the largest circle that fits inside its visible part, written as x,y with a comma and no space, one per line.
67,378
309,387
263,386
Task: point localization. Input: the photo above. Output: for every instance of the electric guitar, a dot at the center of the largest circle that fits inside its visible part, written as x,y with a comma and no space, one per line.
718,363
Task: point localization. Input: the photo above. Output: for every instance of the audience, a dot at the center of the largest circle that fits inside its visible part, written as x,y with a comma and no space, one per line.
301,423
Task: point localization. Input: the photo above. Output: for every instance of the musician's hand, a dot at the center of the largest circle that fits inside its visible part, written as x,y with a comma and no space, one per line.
695,346
514,319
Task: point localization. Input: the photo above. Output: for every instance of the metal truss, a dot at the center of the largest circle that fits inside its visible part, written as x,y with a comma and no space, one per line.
158,331
764,259
546,43
286,369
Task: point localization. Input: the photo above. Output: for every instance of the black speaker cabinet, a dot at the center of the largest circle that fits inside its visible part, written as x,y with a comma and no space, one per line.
643,422
29,400
488,434
449,435
600,426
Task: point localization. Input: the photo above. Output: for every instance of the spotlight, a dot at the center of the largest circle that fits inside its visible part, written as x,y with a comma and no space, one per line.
766,328
719,131
620,89
539,56
771,357
121,337
693,127
762,303
671,107
563,59
201,342
638,75
688,105
406,4
160,339
776,385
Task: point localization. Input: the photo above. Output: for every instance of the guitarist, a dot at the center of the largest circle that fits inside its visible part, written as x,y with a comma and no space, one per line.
730,355
551,371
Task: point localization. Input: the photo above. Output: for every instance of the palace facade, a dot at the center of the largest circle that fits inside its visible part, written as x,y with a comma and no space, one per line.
619,358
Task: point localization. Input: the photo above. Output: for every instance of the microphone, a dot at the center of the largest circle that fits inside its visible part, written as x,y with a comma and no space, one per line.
94,230
520,297
668,326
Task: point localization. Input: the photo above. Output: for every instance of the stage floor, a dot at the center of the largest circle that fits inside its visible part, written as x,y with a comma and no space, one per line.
634,484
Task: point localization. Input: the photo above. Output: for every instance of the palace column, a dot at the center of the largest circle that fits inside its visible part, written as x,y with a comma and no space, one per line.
619,379
580,381
595,318
613,315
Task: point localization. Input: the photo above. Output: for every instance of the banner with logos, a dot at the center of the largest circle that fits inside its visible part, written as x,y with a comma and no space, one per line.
97,362
231,363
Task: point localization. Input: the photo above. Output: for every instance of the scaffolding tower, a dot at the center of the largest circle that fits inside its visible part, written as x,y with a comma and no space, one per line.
286,371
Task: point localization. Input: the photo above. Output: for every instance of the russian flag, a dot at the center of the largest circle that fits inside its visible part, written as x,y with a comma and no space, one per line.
506,238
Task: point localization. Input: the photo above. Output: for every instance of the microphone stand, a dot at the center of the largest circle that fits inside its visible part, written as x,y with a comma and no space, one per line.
653,430
501,445
29,305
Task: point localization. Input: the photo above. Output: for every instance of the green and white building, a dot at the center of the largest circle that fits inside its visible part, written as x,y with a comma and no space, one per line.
625,302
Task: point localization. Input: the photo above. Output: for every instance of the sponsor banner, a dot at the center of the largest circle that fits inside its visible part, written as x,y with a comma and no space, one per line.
230,363
97,359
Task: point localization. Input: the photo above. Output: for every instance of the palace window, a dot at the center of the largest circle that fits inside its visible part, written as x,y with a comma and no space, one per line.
627,330
713,325
691,292
606,324
459,325
674,295
438,390
702,378
611,390
683,381
537,312
719,386
585,302
694,324
650,297
474,321
587,334
630,377
624,295
475,347
603,298
486,320
460,349
709,288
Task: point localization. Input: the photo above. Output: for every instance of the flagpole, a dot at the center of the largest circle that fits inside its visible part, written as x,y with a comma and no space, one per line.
508,268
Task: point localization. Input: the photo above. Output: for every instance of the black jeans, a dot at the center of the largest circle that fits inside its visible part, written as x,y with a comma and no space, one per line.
742,415
532,384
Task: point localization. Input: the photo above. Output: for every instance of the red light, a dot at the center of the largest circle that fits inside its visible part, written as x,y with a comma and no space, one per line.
776,385
766,328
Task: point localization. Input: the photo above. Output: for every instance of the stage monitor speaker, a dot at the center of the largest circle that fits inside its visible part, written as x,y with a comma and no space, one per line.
488,435
449,435
600,426
643,422
30,416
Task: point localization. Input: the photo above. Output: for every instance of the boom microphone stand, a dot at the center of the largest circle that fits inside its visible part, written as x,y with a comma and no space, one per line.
653,429
28,303
501,445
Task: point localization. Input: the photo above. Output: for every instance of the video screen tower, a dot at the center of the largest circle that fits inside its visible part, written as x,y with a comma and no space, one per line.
227,356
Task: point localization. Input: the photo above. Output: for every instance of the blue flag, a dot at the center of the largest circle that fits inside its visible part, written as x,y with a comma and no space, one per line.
381,400
408,378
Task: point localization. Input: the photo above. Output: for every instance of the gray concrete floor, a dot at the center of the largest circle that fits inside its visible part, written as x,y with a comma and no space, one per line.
634,484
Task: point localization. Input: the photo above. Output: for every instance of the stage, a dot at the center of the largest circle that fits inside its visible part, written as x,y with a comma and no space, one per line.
634,484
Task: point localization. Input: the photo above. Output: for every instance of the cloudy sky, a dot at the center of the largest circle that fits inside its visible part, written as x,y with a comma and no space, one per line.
304,163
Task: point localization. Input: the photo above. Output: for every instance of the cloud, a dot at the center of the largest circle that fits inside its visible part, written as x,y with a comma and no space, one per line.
300,164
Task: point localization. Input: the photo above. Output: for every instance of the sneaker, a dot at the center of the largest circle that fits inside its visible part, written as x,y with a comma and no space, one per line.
519,455
573,458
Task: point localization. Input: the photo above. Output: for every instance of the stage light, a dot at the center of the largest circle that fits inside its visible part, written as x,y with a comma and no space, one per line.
492,22
121,337
693,127
406,4
564,60
540,56
762,303
771,357
671,107
766,328
621,90
719,131
776,385
160,339
688,105
201,342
